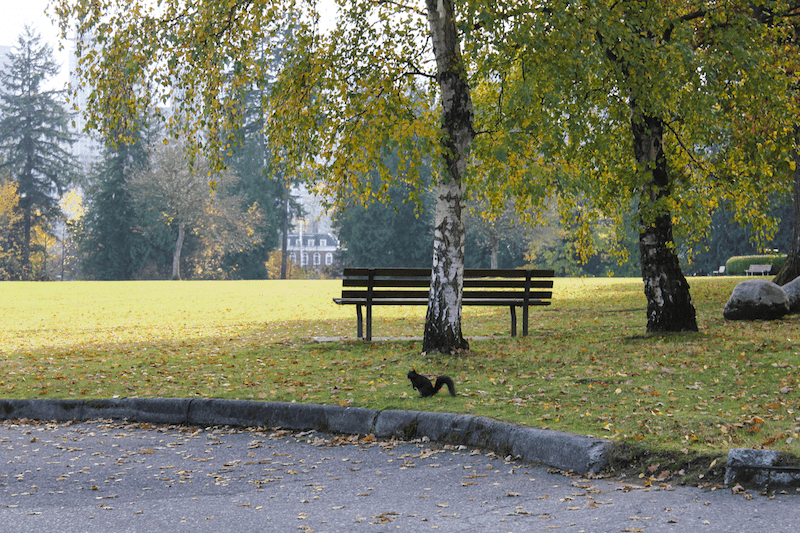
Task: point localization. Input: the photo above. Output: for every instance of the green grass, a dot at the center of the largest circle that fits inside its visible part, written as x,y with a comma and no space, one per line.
587,366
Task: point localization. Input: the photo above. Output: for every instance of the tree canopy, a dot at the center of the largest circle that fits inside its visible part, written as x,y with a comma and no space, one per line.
182,198
665,106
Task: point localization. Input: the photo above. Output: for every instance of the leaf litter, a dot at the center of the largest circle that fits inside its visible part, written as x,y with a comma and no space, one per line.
680,400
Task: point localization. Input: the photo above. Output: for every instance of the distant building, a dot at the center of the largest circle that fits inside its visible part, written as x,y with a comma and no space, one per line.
312,244
87,149
313,250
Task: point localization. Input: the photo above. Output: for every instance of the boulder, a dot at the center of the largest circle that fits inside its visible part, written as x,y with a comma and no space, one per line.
756,299
792,290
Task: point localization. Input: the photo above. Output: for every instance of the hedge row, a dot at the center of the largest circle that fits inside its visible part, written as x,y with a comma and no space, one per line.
735,266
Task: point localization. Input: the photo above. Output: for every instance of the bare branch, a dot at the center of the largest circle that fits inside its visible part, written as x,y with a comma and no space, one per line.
403,6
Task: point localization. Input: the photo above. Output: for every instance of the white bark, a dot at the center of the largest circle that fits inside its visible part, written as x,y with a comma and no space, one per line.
443,323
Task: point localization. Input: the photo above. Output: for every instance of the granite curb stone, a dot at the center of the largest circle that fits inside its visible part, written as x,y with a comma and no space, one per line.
765,469
551,448
762,468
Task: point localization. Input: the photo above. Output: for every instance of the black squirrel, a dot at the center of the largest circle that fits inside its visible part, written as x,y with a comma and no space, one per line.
426,388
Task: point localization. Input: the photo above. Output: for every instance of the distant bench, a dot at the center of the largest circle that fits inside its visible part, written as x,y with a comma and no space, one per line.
761,270
514,288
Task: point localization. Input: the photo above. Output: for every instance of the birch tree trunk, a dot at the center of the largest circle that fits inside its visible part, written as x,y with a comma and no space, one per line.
669,304
443,321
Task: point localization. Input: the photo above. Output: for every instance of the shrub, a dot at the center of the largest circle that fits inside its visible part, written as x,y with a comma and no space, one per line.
735,266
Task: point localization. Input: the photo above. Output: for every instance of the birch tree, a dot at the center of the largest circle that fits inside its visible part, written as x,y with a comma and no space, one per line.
388,76
182,195
669,106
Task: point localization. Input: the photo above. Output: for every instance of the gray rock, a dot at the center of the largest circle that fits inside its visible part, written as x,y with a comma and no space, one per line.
756,299
792,290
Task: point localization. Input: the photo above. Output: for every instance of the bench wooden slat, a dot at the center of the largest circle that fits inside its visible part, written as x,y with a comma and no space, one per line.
384,272
468,283
514,284
506,273
352,272
472,302
466,295
386,294
505,295
383,282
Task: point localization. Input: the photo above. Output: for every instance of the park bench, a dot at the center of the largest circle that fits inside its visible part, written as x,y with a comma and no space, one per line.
720,272
761,270
368,287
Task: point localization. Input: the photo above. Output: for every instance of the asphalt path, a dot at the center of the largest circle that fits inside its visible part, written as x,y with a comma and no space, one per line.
112,476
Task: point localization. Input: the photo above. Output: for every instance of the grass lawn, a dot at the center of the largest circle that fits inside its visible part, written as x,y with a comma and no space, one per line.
587,366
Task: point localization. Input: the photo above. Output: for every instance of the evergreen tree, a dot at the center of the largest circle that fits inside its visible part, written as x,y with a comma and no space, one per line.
260,184
33,133
390,233
114,249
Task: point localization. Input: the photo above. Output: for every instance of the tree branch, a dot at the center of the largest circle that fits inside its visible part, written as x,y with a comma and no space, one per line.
685,148
700,13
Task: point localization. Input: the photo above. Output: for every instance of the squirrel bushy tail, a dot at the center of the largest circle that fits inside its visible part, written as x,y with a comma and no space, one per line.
426,388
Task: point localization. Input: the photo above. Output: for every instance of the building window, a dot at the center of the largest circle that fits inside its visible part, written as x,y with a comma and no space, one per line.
310,243
317,259
323,243
293,257
304,259
329,259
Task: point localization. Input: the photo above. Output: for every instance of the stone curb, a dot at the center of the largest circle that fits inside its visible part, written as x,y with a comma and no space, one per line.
564,451
764,469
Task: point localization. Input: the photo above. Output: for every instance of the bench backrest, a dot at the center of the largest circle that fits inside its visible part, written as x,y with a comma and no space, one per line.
760,268
479,284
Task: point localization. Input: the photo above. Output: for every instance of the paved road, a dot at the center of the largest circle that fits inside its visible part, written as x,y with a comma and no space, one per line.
104,476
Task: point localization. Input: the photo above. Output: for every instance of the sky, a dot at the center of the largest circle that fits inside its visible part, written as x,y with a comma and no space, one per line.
15,14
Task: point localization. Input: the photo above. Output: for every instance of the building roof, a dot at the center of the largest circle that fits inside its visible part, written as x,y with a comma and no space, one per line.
331,242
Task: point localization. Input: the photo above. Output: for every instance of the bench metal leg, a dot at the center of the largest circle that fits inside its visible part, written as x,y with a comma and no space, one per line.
513,321
525,321
359,322
369,322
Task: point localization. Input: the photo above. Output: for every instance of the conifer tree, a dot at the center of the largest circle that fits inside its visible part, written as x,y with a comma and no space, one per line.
33,135
113,248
